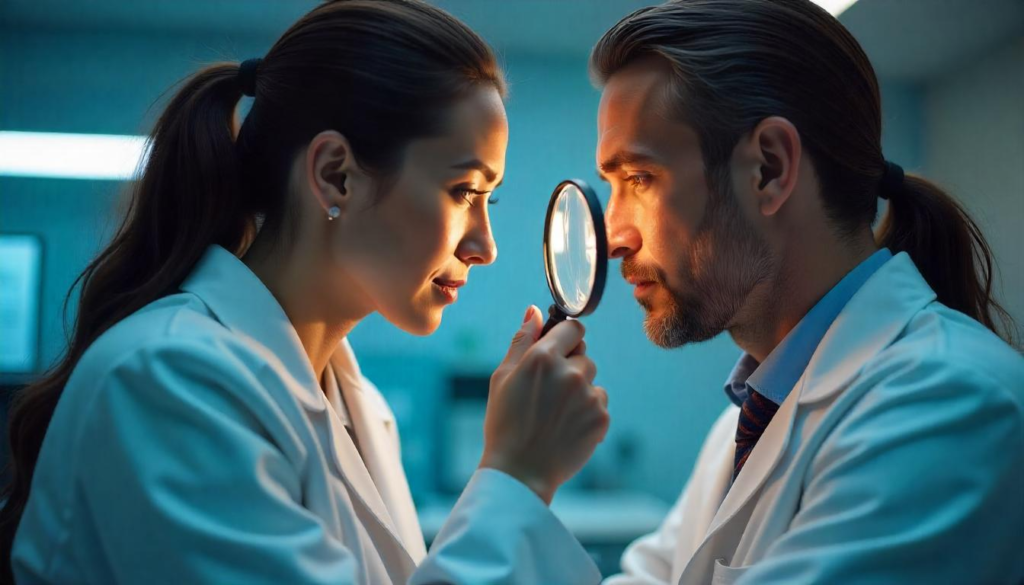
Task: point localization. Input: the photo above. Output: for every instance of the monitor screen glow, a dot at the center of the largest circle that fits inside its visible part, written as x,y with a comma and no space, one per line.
21,258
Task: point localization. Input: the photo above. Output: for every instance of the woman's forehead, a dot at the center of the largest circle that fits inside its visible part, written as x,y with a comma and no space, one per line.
475,136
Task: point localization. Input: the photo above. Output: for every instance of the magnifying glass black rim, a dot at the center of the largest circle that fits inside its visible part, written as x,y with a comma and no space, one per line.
601,270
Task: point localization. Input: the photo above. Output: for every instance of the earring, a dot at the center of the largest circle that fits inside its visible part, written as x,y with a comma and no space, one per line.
333,213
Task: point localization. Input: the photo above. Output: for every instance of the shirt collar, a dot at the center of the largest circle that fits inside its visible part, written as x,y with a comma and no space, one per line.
776,376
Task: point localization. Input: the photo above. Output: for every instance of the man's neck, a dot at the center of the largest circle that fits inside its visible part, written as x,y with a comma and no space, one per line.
806,273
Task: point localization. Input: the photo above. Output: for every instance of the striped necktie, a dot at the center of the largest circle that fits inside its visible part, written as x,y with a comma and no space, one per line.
756,413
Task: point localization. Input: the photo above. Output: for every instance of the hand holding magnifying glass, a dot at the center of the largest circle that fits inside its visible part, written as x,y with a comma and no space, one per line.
543,394
575,252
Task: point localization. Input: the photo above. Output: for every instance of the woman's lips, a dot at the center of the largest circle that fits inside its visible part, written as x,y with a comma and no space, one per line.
448,289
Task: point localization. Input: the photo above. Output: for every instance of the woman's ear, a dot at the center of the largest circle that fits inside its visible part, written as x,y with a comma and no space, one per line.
776,150
330,170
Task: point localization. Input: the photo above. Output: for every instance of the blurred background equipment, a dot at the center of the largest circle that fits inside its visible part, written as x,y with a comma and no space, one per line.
952,79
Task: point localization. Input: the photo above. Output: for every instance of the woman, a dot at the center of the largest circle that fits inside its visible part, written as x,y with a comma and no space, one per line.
209,422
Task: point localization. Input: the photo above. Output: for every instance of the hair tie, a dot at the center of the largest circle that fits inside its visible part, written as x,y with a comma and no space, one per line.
892,181
247,76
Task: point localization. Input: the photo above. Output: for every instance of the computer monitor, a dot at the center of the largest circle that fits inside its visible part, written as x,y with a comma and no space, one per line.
21,266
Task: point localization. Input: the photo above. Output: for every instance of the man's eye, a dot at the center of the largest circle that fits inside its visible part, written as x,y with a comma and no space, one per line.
638,181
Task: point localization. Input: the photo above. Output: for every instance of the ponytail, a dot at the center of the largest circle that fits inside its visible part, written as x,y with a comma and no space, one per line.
187,199
947,247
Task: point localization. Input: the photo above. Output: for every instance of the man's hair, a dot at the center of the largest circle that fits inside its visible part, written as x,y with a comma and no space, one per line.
737,62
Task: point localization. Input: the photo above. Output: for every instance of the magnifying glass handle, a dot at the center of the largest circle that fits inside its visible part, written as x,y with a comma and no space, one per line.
555,316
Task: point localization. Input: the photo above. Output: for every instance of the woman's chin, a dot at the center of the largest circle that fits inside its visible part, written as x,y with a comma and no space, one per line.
418,322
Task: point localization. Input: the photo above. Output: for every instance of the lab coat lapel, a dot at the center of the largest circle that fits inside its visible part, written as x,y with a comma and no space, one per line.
762,460
730,520
378,439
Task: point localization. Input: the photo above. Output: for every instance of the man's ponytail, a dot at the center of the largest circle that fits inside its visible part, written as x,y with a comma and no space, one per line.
947,247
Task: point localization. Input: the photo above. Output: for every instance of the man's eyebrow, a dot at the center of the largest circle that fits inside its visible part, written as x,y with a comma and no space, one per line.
614,162
478,165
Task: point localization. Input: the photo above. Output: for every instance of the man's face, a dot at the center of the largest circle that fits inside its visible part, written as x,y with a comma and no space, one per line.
690,253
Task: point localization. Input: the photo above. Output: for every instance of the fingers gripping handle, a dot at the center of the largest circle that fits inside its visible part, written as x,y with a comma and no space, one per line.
555,316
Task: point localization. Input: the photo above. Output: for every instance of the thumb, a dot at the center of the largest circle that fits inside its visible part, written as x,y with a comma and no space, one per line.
526,336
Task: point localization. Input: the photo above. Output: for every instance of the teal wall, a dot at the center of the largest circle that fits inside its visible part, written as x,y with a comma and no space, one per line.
974,146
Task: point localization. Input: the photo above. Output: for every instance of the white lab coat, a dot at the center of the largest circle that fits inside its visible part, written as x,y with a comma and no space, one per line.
193,444
898,457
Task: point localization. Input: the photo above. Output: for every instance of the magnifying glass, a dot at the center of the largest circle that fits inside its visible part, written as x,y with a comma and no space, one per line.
575,252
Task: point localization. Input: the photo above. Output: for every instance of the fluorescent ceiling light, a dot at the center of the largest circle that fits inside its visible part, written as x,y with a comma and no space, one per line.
71,156
834,7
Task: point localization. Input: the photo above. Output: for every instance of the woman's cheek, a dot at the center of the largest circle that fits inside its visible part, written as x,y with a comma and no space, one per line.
429,240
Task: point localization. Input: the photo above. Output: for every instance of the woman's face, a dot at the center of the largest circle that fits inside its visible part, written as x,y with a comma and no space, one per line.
410,249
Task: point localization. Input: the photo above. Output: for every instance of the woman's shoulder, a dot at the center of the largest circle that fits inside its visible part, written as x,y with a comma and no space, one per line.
178,327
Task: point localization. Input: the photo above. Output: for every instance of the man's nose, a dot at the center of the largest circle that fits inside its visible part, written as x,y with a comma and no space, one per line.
623,237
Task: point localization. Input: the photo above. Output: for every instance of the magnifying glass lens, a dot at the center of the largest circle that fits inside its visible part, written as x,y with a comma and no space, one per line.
572,247
575,252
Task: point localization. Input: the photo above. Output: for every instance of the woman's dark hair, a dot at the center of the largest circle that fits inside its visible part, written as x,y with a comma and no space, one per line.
737,62
381,72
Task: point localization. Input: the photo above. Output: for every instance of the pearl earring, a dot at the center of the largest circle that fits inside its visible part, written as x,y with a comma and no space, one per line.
333,213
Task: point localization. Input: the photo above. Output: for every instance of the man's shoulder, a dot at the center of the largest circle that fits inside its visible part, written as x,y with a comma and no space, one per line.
944,347
944,367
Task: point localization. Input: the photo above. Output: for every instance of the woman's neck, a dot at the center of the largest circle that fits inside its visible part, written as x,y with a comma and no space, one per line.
321,315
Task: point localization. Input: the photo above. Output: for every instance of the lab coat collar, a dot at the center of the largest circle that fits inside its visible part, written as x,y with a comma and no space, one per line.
870,322
240,300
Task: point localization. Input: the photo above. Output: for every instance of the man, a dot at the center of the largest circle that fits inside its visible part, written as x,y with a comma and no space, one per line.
877,431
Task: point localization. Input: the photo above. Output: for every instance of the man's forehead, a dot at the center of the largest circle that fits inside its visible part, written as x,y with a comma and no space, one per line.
636,108
641,84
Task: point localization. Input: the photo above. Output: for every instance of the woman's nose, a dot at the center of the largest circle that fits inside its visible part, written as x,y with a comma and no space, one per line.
478,246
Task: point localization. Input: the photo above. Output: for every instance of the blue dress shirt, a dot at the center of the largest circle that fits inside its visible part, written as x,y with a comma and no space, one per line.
786,363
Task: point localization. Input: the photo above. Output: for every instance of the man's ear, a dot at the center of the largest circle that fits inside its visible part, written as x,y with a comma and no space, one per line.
775,149
332,171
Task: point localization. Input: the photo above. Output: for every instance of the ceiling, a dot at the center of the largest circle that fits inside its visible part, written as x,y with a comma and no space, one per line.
911,40
915,40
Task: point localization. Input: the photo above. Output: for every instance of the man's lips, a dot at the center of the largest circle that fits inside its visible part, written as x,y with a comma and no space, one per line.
641,286
638,281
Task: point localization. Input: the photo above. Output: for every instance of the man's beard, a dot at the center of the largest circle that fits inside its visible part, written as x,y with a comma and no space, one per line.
726,260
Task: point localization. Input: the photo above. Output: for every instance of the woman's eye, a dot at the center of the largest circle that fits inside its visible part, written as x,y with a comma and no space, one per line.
469,195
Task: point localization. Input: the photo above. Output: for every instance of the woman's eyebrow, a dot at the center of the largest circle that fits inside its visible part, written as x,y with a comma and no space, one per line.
478,165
